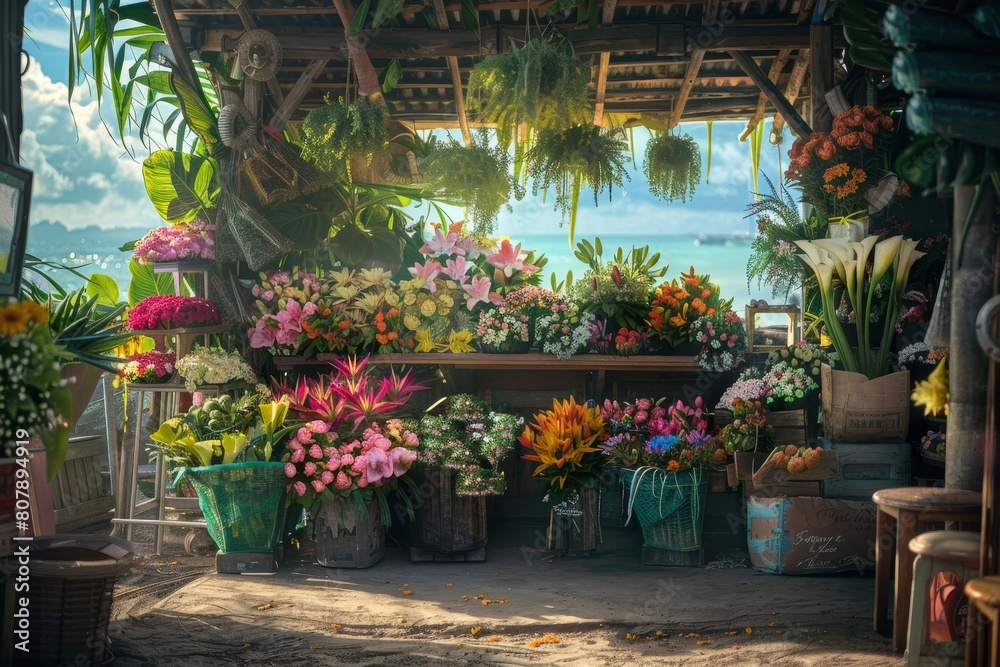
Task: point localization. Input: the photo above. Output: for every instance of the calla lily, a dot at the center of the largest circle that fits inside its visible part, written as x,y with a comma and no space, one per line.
851,279
838,248
862,251
203,450
815,253
885,256
233,445
908,254
273,414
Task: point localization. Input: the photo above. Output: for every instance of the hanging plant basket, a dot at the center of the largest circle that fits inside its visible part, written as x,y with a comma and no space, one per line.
672,166
542,85
567,160
477,177
341,137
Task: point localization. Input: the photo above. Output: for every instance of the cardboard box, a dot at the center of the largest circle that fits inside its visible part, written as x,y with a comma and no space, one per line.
856,409
810,535
868,467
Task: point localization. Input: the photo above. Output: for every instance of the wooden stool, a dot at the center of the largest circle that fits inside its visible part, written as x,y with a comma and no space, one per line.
984,605
957,553
905,511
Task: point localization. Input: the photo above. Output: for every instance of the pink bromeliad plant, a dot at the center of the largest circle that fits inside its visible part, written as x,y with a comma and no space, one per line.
351,396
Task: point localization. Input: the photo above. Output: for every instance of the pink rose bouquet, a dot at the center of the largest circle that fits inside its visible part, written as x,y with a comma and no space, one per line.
323,468
148,367
174,242
167,311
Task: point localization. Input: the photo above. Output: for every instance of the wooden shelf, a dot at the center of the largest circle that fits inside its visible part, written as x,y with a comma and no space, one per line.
530,360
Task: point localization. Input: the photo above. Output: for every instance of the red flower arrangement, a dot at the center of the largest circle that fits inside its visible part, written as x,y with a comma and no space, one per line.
148,367
167,311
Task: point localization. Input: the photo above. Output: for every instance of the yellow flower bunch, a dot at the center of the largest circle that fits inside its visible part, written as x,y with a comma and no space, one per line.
438,319
933,393
563,441
16,317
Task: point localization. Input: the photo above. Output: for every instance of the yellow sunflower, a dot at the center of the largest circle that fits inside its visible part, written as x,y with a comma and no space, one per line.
13,320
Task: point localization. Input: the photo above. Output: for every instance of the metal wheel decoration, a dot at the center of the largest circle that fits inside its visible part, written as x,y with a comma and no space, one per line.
260,54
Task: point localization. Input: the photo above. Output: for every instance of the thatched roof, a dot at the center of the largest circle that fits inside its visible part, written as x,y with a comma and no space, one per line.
653,58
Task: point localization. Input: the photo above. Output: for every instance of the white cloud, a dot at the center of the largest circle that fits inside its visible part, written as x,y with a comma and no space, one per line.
83,176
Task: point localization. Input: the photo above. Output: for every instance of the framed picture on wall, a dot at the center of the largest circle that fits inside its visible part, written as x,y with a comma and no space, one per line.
15,202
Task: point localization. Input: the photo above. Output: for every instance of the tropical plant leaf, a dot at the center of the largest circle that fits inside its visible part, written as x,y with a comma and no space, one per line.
385,10
145,283
104,289
391,76
358,23
181,186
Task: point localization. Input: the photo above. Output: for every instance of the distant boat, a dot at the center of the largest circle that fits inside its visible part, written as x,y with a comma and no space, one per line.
714,239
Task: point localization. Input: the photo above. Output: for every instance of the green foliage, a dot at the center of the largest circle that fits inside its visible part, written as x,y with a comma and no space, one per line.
772,253
672,166
619,288
541,84
145,283
477,177
181,186
333,134
569,159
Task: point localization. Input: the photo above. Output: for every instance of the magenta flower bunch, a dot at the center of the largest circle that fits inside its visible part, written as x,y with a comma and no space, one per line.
322,467
175,242
150,366
166,311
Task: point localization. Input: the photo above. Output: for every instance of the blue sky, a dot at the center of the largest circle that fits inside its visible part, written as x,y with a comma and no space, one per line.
83,176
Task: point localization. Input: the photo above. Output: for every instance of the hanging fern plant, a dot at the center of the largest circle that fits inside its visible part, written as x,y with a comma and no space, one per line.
672,166
337,132
477,177
570,159
542,85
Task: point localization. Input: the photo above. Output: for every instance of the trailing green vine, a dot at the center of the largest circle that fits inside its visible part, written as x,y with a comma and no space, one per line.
672,166
541,84
333,134
477,177
570,159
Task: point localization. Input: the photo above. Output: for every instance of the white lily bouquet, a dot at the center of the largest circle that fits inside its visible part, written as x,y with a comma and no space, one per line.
849,262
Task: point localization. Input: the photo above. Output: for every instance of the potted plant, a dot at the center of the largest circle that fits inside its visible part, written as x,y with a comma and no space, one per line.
500,330
616,290
564,442
352,451
677,305
177,243
342,138
461,451
723,340
35,401
672,166
564,330
668,480
151,367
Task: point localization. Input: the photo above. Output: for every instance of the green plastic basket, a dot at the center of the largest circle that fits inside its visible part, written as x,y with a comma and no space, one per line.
243,504
670,505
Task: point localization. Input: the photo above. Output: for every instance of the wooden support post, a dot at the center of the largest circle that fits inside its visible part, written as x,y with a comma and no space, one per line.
604,64
456,77
248,21
296,95
368,84
805,12
753,70
795,80
165,11
778,64
821,75
690,76
973,279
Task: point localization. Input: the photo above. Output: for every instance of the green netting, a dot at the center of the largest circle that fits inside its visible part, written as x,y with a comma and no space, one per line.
243,504
670,505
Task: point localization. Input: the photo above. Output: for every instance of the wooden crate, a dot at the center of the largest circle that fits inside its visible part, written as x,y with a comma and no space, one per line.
794,427
447,527
748,462
80,497
577,527
360,548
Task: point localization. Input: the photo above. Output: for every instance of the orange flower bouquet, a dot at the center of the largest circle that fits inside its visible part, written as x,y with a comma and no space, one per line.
563,442
679,303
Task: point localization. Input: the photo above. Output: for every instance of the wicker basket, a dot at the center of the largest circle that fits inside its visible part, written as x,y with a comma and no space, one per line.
243,504
72,585
670,505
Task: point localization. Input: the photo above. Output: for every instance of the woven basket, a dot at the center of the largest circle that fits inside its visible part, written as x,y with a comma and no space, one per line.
243,504
670,505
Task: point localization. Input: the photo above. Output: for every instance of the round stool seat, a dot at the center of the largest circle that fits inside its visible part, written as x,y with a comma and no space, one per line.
985,591
927,498
954,546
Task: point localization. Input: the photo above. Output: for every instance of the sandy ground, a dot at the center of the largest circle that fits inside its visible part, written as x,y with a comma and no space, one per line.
603,609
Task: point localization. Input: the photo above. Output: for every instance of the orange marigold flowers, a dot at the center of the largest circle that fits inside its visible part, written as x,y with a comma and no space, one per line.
673,466
836,171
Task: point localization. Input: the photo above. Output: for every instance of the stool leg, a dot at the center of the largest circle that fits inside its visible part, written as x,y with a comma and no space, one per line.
884,544
993,649
973,639
923,572
906,530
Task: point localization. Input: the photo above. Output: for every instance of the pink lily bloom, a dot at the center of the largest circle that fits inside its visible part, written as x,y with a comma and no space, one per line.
427,272
508,258
456,269
478,290
442,244
379,466
402,459
262,335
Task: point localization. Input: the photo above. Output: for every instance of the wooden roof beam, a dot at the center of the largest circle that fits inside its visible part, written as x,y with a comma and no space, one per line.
663,40
806,11
456,76
604,64
368,84
777,65
795,81
296,95
690,76
753,70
